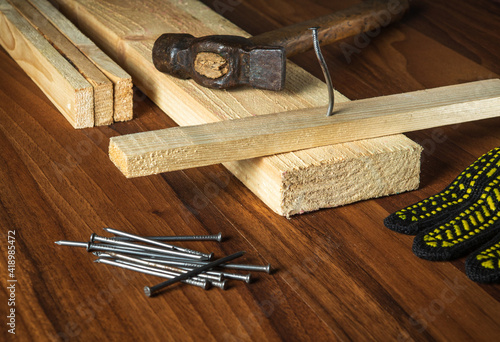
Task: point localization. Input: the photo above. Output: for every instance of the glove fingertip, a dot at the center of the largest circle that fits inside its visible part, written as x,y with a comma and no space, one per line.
394,223
483,265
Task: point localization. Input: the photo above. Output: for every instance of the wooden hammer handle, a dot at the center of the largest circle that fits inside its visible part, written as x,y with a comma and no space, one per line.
369,15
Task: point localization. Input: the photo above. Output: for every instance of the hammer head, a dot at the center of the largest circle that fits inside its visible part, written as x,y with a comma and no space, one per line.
220,62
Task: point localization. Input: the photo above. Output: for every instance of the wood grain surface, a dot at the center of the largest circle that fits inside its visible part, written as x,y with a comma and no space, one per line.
340,274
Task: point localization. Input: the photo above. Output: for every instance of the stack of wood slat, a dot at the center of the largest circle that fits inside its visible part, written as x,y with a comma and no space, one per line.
87,87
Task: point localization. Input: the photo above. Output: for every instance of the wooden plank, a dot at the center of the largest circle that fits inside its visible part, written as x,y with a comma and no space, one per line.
122,81
103,88
185,147
63,84
289,183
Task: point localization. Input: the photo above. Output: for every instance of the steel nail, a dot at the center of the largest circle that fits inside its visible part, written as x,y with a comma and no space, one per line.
86,245
71,243
95,237
222,284
326,73
124,250
173,262
161,266
202,284
156,243
151,291
112,248
154,269
216,237
195,263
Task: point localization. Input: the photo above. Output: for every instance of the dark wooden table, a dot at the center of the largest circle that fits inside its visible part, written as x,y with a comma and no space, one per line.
340,274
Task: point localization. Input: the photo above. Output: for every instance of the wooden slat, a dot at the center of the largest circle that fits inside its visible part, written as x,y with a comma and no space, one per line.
289,183
103,88
122,81
193,146
63,84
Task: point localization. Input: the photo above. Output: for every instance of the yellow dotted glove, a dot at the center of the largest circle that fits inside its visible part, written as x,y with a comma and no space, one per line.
459,219
483,265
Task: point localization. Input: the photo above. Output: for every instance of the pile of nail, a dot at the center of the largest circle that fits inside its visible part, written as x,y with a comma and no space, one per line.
154,256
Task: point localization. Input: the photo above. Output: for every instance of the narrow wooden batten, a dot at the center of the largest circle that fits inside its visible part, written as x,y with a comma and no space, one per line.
257,136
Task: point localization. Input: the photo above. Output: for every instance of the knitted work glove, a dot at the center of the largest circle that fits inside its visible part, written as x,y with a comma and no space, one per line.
459,219
483,265
454,197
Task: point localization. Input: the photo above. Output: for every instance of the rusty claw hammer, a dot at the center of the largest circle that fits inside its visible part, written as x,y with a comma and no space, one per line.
227,61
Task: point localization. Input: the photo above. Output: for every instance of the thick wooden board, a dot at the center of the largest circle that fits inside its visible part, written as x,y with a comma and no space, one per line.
185,147
55,76
103,88
126,30
122,81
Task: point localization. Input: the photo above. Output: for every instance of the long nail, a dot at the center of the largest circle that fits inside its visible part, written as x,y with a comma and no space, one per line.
154,269
71,243
130,251
103,247
161,266
95,237
195,263
92,246
151,291
173,262
202,284
156,243
180,262
216,237
326,73
217,283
